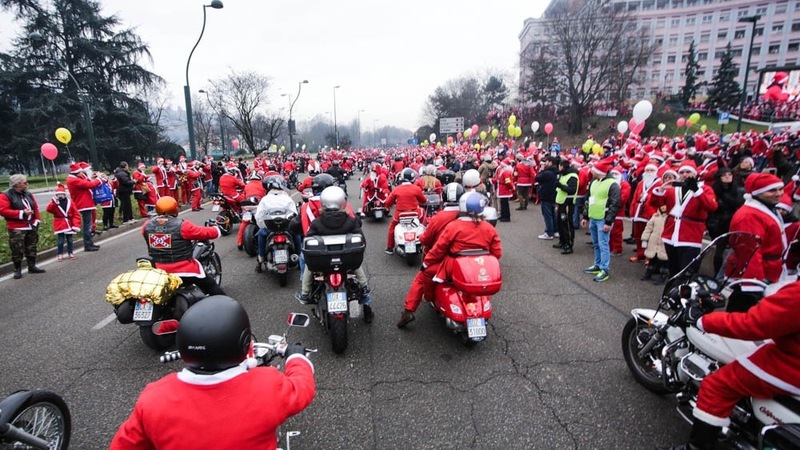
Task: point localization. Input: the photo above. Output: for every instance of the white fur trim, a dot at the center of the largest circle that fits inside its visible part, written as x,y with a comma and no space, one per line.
770,187
710,419
601,173
189,377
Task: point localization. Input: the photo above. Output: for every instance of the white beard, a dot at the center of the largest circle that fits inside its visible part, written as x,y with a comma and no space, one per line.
649,179
88,173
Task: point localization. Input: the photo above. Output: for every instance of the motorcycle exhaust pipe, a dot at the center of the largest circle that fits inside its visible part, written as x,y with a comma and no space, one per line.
294,258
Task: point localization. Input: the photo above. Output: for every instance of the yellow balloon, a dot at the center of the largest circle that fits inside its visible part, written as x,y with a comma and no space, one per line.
467,132
477,146
694,118
587,147
597,149
517,131
438,144
483,135
63,135
425,142
512,130
512,119
495,132
703,128
283,147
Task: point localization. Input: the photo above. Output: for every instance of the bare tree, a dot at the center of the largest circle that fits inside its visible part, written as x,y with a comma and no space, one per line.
204,125
267,130
240,97
629,58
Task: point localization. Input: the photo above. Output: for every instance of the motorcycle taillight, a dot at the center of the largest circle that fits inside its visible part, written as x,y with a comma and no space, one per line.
335,279
410,236
280,239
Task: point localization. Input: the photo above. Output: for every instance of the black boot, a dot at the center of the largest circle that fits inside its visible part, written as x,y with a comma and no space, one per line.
663,274
648,274
17,270
704,436
32,266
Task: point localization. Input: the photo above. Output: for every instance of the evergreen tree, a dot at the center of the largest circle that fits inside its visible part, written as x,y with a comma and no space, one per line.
691,83
494,92
725,92
542,86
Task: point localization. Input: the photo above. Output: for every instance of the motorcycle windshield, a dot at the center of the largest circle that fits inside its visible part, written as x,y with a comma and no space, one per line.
743,243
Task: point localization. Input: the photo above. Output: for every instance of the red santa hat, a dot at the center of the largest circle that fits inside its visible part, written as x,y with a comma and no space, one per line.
141,166
74,168
159,159
84,165
663,170
652,166
658,156
758,183
679,156
688,165
785,203
190,165
603,166
60,189
182,158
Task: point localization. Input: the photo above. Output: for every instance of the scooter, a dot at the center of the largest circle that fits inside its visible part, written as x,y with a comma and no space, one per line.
35,419
374,207
406,237
281,253
433,205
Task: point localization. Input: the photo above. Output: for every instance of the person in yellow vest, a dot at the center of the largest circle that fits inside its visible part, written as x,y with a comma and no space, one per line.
566,188
603,201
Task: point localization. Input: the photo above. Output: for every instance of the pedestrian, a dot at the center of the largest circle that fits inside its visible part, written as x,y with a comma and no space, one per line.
80,190
602,204
566,189
504,179
104,196
615,242
66,221
640,210
730,197
546,181
21,212
141,191
653,247
124,191
523,178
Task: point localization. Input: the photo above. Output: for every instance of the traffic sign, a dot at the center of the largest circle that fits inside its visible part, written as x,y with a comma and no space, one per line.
724,117
451,125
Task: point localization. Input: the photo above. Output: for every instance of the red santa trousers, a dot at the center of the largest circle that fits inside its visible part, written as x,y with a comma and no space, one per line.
197,198
638,230
615,241
421,285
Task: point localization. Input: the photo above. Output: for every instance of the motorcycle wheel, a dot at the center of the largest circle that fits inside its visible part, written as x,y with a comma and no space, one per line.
46,416
213,268
250,244
412,259
154,341
283,279
227,224
643,370
469,343
338,330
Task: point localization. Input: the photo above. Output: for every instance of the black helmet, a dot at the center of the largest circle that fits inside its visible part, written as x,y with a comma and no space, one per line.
214,334
408,175
320,182
452,193
446,176
273,182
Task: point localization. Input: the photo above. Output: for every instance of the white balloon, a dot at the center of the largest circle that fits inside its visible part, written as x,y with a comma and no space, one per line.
622,126
432,138
642,111
535,126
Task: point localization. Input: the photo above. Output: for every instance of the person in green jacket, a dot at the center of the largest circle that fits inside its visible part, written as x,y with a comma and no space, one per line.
566,188
603,201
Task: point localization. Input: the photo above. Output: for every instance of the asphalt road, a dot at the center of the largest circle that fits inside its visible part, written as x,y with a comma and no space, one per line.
550,375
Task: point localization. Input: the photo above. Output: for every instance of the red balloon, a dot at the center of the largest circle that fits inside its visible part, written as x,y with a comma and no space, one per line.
639,128
449,139
681,122
548,128
632,124
475,130
235,144
49,151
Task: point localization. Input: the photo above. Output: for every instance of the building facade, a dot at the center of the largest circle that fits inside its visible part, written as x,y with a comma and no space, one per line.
672,26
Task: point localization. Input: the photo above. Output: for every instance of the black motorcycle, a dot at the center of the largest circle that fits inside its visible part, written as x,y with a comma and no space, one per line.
34,419
281,253
291,180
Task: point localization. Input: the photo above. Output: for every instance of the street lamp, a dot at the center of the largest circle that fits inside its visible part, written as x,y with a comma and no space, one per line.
187,93
335,128
83,97
359,125
221,128
291,126
752,20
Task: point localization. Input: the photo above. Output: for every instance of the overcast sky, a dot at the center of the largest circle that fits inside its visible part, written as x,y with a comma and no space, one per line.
387,56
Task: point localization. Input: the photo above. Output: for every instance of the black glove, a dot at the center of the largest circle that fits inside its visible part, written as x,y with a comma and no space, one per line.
693,313
690,184
294,349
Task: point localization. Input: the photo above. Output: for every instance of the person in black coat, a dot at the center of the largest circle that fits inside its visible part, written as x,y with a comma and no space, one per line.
730,197
124,191
546,181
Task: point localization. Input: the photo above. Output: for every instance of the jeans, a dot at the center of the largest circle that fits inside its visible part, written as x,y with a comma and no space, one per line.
61,237
298,244
549,215
263,233
602,253
578,213
86,227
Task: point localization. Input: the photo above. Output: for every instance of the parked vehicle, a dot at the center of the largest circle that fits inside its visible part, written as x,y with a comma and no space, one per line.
666,356
406,237
34,419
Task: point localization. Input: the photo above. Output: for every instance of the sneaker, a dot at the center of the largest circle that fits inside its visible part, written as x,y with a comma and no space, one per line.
545,236
59,258
601,276
557,235
389,251
369,314
72,256
303,298
592,269
406,318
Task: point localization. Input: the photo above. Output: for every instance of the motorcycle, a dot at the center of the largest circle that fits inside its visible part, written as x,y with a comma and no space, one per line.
464,301
229,215
334,290
281,252
374,207
137,302
666,356
35,419
250,239
291,180
406,237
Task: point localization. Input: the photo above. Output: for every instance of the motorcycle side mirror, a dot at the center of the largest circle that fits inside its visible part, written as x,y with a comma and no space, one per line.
298,320
360,178
165,327
685,291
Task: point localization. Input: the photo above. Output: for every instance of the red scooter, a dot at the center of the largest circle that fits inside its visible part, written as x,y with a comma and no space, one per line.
465,301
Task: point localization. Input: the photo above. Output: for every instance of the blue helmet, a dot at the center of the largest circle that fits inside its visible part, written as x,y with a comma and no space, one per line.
472,203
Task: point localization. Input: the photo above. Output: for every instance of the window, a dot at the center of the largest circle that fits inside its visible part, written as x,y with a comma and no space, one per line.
670,59
796,26
688,37
684,58
654,77
793,47
756,51
736,52
701,73
759,32
738,34
659,41
691,20
718,54
668,76
708,18
774,49
702,56
691,3
660,23
762,11
741,13
673,40
722,35
675,23
780,10
704,38
633,7
723,18
777,28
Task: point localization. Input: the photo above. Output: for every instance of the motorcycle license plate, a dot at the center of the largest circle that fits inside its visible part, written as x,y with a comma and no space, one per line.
411,247
476,328
337,302
281,256
215,208
246,216
143,311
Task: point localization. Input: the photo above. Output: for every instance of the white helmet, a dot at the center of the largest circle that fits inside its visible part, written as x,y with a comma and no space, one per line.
471,179
333,198
430,169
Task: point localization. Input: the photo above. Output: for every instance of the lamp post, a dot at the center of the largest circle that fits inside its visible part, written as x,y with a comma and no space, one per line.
221,128
187,92
291,125
335,128
83,97
752,20
359,126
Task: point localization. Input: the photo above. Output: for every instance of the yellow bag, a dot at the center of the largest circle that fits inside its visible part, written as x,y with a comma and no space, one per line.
145,282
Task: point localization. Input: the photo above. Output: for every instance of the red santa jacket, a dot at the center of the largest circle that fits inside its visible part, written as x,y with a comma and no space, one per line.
641,210
139,178
371,184
408,197
80,190
767,262
189,267
185,410
305,184
67,219
14,214
504,178
523,174
459,235
172,178
436,224
229,186
194,177
774,317
160,173
254,188
686,222
289,167
624,195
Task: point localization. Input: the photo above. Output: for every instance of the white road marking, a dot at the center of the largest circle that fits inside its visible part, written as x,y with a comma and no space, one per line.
111,317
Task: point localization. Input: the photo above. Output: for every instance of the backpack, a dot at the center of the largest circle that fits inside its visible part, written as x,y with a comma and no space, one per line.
102,193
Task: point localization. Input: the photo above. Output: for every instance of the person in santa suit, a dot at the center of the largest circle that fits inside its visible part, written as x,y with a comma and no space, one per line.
772,370
194,175
409,197
186,187
80,189
375,183
159,172
141,189
66,221
523,180
423,281
192,408
763,191
19,208
172,179
640,209
230,185
615,240
504,180
689,203
169,243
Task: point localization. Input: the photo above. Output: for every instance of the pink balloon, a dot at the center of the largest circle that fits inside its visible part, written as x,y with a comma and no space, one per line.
632,124
639,128
449,139
548,128
49,151
475,130
235,144
688,124
681,122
